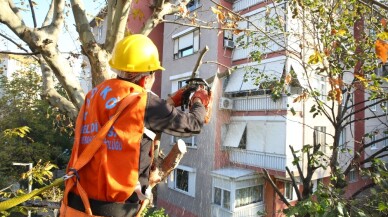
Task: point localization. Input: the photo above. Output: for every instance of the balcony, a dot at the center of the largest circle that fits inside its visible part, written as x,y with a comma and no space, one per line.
265,103
259,103
276,43
239,5
258,159
250,210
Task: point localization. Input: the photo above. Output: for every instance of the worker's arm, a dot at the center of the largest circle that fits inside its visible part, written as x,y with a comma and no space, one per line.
162,117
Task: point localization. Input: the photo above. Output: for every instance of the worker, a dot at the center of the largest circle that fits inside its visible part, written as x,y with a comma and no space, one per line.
124,160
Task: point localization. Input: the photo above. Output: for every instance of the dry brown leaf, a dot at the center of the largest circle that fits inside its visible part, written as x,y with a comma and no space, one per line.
381,48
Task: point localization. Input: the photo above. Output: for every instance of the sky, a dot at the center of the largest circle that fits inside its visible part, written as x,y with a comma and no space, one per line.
68,39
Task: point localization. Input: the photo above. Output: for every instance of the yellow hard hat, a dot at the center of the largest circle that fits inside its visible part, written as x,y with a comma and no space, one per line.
135,53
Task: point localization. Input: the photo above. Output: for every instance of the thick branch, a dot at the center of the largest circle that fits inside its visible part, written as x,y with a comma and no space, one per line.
51,94
49,15
82,23
14,22
269,179
117,20
161,9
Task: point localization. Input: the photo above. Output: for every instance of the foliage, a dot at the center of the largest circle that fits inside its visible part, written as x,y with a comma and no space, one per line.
150,212
31,130
42,175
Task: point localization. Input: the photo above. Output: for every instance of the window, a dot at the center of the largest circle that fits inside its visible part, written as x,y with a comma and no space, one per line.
342,139
288,191
183,180
352,176
186,44
322,90
246,196
373,139
99,32
222,198
373,108
190,141
320,137
192,5
243,141
316,184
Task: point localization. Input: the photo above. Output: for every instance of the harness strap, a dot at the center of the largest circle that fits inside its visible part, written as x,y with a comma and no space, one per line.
91,149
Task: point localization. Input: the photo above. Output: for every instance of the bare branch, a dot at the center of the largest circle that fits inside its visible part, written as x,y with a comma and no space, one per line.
363,119
32,12
13,42
18,53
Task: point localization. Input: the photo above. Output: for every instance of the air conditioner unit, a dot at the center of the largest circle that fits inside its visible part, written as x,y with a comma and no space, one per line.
226,103
228,43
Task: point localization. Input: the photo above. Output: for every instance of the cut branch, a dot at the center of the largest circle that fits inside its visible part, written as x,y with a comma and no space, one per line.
294,185
194,74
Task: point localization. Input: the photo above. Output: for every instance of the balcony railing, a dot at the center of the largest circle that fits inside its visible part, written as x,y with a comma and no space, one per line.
258,159
244,4
247,211
261,103
275,43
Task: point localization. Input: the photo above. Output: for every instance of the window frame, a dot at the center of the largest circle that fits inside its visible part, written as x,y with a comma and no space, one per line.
320,136
192,144
289,191
180,52
353,176
172,182
224,204
196,4
260,195
372,139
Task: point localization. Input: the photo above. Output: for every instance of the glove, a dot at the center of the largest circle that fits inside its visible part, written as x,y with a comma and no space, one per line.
176,97
202,95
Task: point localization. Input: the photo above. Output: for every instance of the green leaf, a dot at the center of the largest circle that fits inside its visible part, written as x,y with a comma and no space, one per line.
293,111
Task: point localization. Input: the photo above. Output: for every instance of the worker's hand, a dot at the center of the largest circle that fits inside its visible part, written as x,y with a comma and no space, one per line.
201,94
175,99
206,98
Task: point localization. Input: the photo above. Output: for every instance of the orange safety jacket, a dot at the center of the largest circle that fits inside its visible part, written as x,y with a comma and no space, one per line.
113,172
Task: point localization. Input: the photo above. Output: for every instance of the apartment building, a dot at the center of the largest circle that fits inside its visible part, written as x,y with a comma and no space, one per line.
220,174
